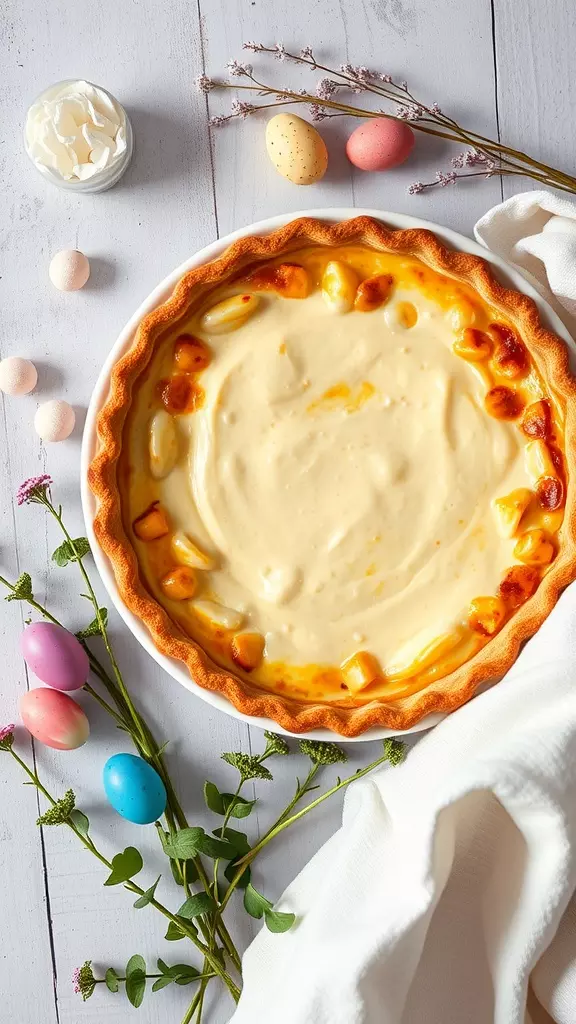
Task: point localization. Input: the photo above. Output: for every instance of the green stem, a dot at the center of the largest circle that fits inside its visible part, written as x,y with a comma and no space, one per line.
282,822
148,749
187,929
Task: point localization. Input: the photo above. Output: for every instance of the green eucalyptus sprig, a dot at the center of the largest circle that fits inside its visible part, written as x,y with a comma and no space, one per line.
209,866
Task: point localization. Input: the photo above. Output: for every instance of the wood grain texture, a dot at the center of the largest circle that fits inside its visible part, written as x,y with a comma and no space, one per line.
168,205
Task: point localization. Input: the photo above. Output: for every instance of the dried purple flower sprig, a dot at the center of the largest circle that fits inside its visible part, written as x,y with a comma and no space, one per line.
489,157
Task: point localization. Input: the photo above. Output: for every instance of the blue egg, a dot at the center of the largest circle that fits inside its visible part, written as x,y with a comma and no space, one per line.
134,788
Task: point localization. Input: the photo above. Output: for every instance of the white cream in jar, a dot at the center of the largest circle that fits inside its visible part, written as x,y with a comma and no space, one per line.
79,136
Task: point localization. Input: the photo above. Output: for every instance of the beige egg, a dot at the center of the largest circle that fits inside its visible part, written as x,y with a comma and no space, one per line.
69,270
296,149
54,420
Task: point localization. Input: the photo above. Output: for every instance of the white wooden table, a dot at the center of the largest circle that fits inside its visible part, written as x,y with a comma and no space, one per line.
500,65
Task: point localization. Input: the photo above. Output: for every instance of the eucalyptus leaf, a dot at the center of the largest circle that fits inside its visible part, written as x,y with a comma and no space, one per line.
239,840
163,967
187,868
213,798
276,921
81,822
230,874
111,979
255,903
136,987
201,903
241,808
215,848
162,982
125,866
135,963
148,896
173,933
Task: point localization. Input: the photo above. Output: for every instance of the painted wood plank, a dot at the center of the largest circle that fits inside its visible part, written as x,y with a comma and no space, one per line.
536,84
149,55
406,39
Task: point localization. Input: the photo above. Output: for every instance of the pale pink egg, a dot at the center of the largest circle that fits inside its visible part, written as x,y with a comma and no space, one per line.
54,719
18,376
54,420
379,144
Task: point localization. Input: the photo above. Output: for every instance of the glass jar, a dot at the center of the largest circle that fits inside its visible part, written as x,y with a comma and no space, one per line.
48,123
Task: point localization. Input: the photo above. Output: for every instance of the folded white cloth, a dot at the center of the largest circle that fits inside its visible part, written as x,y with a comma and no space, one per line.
537,232
445,896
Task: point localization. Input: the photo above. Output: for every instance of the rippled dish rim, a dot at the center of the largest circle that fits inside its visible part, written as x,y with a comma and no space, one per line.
549,352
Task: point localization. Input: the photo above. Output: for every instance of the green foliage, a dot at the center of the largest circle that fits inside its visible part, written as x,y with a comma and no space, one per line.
321,752
226,803
201,903
174,933
136,979
71,551
93,628
125,865
239,840
248,765
60,811
184,845
22,589
259,907
148,896
80,822
230,874
181,974
276,744
111,979
394,750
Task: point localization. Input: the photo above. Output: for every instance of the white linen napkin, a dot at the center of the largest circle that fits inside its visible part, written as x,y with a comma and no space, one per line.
445,896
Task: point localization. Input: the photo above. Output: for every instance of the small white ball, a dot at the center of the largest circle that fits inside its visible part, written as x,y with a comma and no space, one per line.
54,420
17,376
69,270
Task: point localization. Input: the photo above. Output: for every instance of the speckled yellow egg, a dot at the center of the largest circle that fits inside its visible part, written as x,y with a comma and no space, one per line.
296,149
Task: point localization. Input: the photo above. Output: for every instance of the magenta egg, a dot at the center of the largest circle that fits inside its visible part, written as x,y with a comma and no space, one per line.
55,656
379,144
53,718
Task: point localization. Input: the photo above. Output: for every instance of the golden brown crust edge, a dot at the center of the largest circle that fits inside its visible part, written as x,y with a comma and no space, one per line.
550,355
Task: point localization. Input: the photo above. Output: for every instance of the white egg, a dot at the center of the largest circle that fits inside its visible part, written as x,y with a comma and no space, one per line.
69,270
17,376
54,420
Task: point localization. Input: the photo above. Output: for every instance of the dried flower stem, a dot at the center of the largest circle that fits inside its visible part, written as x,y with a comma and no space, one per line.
497,158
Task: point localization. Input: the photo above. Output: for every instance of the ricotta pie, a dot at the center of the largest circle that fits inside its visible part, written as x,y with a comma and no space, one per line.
334,475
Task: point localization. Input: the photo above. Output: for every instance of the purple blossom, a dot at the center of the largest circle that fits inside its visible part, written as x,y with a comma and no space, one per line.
34,489
76,979
387,79
6,736
435,109
255,47
241,109
411,112
473,158
326,88
280,51
306,54
236,69
204,84
317,113
415,187
447,178
217,120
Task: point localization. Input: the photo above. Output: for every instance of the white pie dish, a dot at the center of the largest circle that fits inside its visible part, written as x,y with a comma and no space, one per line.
159,295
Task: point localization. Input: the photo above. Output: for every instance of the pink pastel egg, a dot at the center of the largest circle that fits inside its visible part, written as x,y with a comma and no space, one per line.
54,719
55,655
379,144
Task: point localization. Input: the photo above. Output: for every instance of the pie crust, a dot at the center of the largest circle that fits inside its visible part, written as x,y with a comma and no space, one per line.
354,713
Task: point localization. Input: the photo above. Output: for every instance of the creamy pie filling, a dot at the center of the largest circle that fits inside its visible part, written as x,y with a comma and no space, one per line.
340,474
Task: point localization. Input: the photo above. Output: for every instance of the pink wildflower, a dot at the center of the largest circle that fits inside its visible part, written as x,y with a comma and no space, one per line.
204,84
33,489
6,736
415,187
